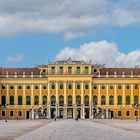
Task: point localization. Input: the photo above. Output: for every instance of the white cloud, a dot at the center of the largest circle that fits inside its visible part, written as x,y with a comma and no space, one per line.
15,58
67,16
102,52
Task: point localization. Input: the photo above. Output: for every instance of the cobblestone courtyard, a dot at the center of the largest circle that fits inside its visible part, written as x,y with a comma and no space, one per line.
70,130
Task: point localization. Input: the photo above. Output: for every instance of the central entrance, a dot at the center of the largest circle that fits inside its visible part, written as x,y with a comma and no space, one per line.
86,113
78,113
53,113
70,113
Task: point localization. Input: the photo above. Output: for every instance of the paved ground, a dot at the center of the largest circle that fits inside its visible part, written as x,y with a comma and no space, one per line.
70,130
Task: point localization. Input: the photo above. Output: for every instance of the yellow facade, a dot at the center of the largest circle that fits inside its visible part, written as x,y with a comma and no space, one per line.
69,89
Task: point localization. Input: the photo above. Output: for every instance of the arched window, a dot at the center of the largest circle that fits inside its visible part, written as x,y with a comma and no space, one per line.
103,100
3,100
111,100
28,100
135,99
69,100
78,85
61,85
86,100
36,100
127,100
19,100
11,100
53,100
61,100
69,85
44,100
86,85
53,85
95,100
119,100
78,100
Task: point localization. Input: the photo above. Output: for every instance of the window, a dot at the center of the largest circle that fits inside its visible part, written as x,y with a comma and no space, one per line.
11,86
36,100
70,100
103,100
111,100
86,70
119,100
111,86
119,113
127,100
61,85
28,100
127,86
86,85
43,86
19,86
3,113
11,100
136,113
53,85
53,70
95,86
78,100
35,86
136,99
86,100
27,86
53,100
3,86
95,100
11,113
3,99
127,113
44,100
119,86
78,85
69,85
19,113
103,86
78,70
19,100
61,70
69,70
136,86
61,100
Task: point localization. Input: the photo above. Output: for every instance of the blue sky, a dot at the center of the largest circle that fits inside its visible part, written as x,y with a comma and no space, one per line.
106,32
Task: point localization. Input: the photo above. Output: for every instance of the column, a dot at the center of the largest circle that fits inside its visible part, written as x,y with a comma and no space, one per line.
40,95
82,100
123,97
115,94
48,102
7,94
107,95
16,101
65,100
90,100
99,94
57,99
24,96
32,95
132,95
73,99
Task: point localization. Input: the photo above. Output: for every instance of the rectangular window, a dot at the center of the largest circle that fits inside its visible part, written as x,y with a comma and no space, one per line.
61,85
119,113
127,113
78,70
70,86
69,70
53,69
61,70
95,86
136,113
11,113
11,86
86,70
127,86
111,86
43,86
36,86
3,86
19,113
119,86
27,86
3,113
136,86
19,86
103,86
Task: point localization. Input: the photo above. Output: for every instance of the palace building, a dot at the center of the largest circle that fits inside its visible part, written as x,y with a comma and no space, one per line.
69,89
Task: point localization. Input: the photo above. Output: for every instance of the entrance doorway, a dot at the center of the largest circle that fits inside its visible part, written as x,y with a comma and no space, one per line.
70,113
52,112
79,113
112,114
86,113
61,113
27,114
